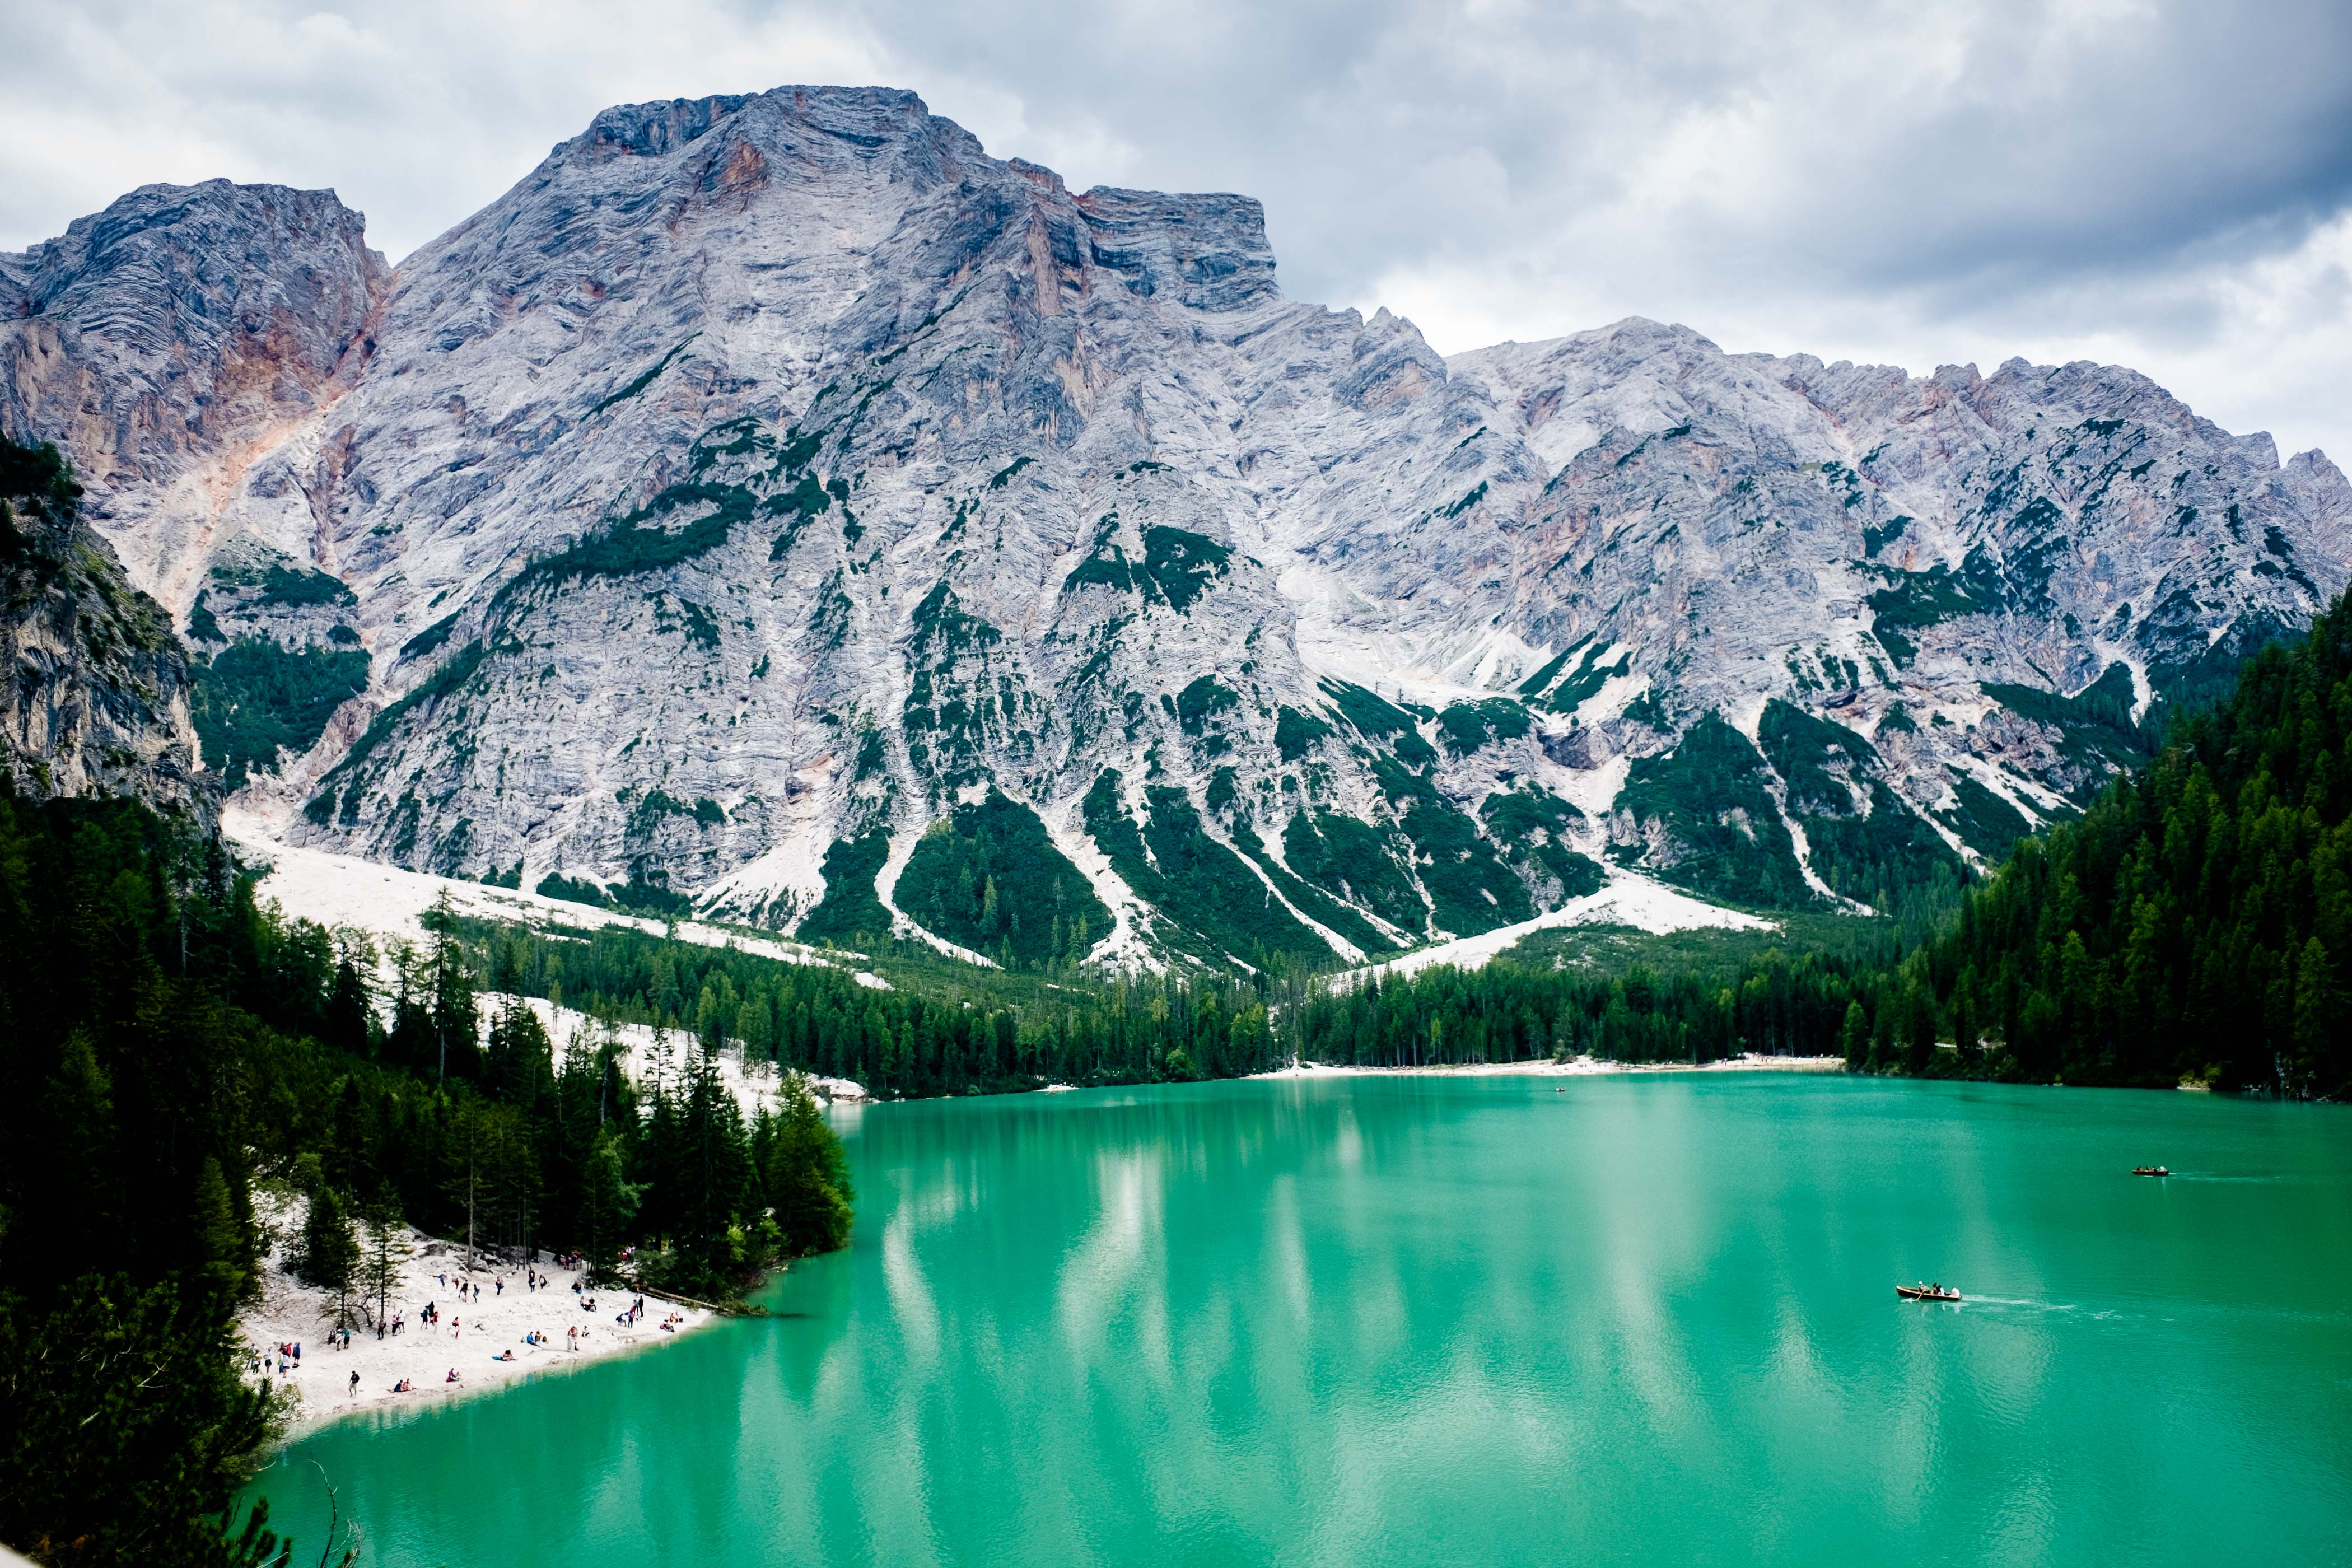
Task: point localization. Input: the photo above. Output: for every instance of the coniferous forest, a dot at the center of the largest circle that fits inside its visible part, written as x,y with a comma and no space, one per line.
171,1047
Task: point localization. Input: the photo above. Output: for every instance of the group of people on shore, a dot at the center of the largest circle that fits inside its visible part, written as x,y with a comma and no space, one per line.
285,1359
471,1289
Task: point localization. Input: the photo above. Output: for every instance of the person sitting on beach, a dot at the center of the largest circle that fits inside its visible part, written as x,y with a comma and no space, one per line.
504,1356
452,1377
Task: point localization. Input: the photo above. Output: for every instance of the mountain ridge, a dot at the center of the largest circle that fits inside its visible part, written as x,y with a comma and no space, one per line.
765,476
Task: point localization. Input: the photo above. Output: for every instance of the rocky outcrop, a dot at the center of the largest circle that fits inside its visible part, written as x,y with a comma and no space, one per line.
95,700
174,340
765,483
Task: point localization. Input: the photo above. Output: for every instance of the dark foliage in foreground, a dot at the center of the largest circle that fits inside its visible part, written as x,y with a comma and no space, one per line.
169,1046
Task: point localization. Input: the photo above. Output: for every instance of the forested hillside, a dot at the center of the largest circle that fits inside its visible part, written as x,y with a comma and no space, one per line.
2194,923
2197,919
168,1048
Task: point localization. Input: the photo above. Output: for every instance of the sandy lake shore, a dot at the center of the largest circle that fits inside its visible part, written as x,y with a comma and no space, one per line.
469,1336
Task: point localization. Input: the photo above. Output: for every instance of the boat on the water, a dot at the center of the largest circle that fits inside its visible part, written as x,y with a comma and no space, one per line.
1926,1293
2150,1171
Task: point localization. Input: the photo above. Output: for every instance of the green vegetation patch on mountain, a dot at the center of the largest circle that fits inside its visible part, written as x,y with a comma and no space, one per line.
1179,564
1312,901
647,892
957,699
1469,889
1535,828
1106,565
1201,711
1295,734
851,912
650,810
1983,820
1913,601
256,697
1876,850
1465,727
630,548
1884,857
1351,860
1377,719
988,877
281,583
1709,823
1564,686
1198,884
432,639
2097,733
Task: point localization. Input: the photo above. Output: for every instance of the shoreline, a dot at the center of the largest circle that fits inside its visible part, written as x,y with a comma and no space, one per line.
466,1339
1580,1067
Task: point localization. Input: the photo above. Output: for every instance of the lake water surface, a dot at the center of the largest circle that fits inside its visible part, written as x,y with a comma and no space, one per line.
1423,1320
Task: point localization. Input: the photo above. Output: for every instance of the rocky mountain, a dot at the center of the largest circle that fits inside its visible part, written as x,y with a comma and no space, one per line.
96,698
778,504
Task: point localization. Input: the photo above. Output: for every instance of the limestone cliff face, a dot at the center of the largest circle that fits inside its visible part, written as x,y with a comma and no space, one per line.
765,482
96,698
174,339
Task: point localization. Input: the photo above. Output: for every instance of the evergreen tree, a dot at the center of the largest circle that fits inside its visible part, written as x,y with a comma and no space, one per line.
129,1429
330,1255
224,1249
350,1023
608,1203
384,1259
805,1175
454,1019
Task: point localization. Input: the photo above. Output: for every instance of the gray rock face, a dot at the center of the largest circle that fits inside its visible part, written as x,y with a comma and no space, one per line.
763,480
171,342
96,698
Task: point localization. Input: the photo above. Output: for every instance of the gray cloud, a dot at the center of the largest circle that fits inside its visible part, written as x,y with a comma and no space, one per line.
2162,183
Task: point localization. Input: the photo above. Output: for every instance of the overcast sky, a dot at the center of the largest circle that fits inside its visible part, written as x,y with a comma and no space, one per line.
2164,185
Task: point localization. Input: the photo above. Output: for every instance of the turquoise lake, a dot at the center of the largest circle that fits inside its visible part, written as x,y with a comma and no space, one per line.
1392,1321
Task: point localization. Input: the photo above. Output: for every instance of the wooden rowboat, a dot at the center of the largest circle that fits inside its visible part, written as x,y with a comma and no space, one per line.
1925,1293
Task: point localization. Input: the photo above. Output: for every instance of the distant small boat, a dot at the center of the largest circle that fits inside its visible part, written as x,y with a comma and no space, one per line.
1926,1293
2150,1171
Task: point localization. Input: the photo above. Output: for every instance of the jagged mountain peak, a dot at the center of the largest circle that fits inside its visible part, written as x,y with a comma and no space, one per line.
778,502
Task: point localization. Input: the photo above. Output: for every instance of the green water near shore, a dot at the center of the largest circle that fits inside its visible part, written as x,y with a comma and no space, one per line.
1423,1320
